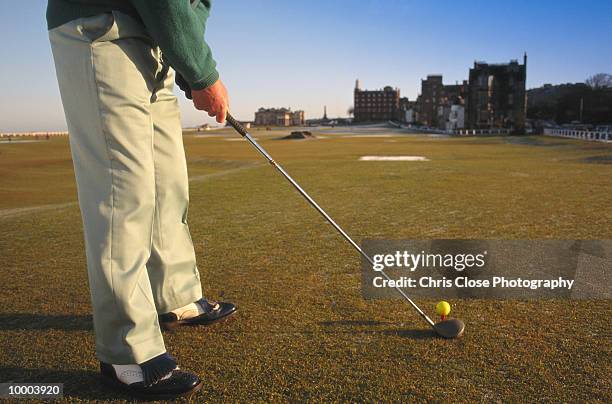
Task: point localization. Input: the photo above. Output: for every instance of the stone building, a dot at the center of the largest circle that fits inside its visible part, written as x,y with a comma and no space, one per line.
436,100
279,117
455,94
455,118
496,96
431,96
297,118
376,105
408,111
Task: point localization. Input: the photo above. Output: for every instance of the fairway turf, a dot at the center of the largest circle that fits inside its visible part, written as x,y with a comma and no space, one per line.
303,331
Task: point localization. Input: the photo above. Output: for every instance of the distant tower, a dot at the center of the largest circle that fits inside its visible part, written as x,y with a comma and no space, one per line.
525,59
325,112
357,84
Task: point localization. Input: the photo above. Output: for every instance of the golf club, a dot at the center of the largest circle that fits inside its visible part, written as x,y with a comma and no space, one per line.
450,328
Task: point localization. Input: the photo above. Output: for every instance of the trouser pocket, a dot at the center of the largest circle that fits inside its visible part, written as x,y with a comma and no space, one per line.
97,27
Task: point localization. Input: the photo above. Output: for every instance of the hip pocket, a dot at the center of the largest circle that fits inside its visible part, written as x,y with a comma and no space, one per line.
98,27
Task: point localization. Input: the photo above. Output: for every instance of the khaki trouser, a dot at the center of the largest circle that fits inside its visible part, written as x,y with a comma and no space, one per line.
129,161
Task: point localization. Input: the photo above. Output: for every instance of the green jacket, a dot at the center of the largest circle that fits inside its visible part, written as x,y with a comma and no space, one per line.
177,26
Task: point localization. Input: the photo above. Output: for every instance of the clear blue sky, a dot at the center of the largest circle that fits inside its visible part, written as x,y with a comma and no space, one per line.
306,54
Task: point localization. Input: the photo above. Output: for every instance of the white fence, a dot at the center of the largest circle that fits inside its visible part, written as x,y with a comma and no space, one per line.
481,132
31,134
580,134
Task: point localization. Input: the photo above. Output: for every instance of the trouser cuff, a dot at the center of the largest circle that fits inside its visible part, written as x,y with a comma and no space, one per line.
192,295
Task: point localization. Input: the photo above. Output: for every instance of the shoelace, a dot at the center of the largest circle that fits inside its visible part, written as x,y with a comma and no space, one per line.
211,305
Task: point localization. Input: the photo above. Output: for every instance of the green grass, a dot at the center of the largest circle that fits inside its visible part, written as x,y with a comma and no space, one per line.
303,331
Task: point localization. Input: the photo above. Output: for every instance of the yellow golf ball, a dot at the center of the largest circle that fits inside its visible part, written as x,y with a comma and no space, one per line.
443,308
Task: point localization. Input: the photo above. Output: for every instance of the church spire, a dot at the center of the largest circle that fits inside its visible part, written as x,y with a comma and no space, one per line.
325,112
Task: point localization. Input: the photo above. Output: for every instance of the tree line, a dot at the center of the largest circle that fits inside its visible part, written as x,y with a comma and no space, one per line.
589,102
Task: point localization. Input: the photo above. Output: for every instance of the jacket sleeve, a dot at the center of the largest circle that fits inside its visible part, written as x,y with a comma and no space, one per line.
178,29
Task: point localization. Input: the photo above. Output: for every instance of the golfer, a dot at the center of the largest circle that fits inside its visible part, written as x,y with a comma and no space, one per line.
116,62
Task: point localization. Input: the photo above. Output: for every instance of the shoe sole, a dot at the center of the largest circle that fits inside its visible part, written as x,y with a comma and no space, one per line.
171,326
124,388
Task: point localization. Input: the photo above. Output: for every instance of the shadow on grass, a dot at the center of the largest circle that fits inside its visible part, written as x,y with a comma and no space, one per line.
28,321
342,326
598,159
352,323
412,334
80,384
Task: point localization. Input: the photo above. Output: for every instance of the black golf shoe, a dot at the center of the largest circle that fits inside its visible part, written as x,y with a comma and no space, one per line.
151,380
209,312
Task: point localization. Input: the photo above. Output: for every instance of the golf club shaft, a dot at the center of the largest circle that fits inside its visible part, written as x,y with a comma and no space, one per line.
240,129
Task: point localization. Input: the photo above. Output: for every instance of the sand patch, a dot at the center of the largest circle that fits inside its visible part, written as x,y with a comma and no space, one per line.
298,135
393,158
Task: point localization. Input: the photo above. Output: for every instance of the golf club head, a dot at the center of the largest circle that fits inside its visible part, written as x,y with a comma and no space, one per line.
451,328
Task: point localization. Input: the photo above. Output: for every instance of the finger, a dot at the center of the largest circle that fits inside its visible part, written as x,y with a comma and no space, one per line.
211,113
222,115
